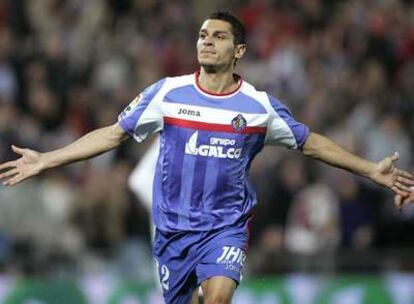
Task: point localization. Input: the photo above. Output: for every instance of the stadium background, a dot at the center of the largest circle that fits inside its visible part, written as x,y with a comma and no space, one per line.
320,235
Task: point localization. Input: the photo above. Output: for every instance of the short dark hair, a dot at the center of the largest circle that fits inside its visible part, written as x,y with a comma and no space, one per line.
238,29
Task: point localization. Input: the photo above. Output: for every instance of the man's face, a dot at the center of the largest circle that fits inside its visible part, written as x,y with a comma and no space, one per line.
215,45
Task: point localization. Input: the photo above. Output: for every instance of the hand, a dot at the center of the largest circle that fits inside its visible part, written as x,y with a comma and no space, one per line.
386,174
400,201
18,170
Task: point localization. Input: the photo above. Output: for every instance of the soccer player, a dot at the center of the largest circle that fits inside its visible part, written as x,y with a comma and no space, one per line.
212,124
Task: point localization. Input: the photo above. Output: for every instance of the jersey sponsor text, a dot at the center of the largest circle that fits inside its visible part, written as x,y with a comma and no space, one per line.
219,149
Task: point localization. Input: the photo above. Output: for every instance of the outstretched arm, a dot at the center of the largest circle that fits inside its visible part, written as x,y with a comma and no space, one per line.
32,162
383,173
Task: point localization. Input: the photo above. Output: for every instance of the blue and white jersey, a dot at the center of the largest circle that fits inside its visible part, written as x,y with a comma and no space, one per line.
207,144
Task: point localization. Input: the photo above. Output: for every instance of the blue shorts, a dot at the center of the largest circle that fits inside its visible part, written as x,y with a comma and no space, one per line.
186,259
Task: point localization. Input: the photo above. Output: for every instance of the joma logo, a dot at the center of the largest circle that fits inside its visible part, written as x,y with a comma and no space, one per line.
189,112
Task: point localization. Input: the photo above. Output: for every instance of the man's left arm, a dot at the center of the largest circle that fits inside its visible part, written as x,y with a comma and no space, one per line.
383,173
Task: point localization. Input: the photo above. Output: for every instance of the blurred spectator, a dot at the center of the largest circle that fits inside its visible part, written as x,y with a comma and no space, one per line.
313,222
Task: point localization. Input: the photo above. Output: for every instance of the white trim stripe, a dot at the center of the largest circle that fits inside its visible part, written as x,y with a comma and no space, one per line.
211,115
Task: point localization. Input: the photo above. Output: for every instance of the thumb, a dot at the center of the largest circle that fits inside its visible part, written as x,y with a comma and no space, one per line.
395,156
17,150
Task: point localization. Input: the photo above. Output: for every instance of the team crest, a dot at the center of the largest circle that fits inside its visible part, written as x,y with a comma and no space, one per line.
239,123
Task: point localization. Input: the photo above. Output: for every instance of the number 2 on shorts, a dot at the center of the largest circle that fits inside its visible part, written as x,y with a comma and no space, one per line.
165,275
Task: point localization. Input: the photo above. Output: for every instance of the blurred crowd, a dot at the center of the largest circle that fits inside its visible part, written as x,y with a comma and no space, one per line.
345,68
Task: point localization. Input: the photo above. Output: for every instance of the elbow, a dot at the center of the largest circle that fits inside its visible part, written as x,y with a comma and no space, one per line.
115,136
313,145
308,152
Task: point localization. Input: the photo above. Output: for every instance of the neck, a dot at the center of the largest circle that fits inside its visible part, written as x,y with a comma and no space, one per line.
217,82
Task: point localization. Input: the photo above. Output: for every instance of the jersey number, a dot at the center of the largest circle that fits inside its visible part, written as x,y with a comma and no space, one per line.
165,275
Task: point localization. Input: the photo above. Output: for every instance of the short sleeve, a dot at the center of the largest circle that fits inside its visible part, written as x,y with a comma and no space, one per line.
283,129
143,116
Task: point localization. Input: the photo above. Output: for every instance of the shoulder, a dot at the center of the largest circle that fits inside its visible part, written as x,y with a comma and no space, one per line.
265,97
179,81
160,88
261,97
273,105
165,85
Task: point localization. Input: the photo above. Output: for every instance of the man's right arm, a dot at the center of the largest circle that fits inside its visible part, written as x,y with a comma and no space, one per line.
90,145
32,162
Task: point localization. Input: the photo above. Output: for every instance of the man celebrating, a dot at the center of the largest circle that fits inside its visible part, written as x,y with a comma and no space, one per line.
212,124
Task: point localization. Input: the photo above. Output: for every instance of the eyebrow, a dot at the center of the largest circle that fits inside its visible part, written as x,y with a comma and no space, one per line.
215,32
